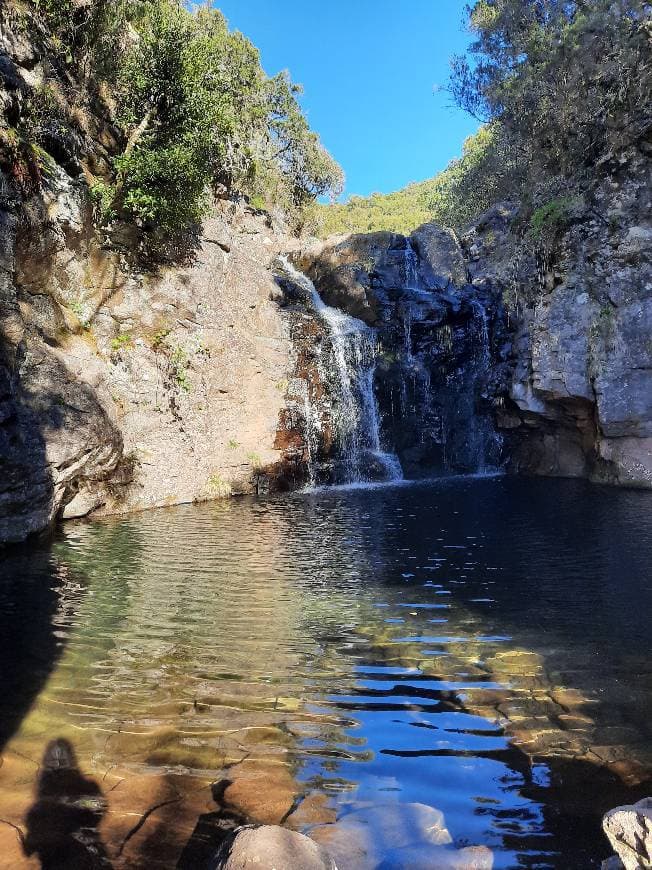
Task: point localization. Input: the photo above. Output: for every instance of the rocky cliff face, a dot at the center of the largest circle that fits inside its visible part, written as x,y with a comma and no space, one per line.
123,389
491,355
439,340
580,397
120,388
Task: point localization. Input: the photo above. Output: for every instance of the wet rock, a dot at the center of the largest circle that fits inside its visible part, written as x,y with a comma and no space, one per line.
440,368
265,796
441,263
398,837
314,809
363,838
271,848
629,830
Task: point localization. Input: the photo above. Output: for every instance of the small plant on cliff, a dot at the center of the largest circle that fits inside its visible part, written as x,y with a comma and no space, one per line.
218,486
255,461
121,341
549,220
178,362
102,199
158,339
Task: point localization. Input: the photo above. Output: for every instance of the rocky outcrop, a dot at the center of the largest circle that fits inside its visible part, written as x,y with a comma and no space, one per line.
124,390
124,387
563,376
441,343
271,847
55,434
580,399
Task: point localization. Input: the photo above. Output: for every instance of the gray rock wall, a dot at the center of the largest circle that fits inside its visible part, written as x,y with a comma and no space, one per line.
580,400
569,382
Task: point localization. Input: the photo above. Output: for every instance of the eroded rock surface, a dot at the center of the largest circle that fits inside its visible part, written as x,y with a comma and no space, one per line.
564,373
441,343
124,390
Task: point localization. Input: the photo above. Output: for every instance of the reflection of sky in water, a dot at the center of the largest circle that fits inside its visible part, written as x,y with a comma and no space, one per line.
447,645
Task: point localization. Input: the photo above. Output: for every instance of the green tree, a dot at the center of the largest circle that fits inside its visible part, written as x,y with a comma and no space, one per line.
196,113
564,83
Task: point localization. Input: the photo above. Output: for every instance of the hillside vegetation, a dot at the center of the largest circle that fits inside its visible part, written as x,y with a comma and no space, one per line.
175,105
436,199
561,87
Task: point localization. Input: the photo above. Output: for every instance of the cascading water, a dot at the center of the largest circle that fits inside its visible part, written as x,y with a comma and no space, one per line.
487,442
349,368
410,266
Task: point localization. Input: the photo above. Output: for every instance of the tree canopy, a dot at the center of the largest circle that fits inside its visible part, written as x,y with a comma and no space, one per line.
194,108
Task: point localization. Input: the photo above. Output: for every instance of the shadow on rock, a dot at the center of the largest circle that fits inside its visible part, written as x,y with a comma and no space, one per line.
62,825
211,831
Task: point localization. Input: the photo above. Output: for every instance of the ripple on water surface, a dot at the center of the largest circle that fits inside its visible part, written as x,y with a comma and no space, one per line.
403,673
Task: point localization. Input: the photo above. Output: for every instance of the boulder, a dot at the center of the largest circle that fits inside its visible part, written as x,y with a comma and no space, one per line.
629,830
271,848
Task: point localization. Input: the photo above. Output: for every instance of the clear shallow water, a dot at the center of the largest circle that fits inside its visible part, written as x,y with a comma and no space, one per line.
477,646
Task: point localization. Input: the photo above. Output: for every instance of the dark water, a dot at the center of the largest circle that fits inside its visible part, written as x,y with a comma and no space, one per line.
477,646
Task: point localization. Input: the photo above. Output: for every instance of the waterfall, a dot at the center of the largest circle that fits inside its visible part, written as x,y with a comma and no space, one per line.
348,368
410,266
485,440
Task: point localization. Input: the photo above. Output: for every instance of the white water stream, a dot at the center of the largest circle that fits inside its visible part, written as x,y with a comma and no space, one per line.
349,366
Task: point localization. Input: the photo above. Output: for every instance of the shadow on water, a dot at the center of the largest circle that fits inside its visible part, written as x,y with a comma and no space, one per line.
212,830
62,825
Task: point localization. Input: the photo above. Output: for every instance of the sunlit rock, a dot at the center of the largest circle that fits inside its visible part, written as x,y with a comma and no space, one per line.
271,848
629,830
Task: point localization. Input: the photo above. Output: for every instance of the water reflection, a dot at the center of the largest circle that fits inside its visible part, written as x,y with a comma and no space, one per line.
456,661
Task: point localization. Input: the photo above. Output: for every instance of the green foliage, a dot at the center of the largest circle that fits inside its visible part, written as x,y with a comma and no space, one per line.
441,199
157,341
559,85
195,109
79,310
255,461
121,342
549,219
218,486
565,84
178,362
102,199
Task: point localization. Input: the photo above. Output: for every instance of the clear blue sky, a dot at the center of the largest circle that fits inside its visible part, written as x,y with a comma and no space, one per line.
369,68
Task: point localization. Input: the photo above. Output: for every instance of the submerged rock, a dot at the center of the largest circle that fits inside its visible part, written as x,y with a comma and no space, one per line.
629,830
397,836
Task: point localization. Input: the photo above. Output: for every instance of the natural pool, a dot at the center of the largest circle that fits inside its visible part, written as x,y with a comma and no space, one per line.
402,672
